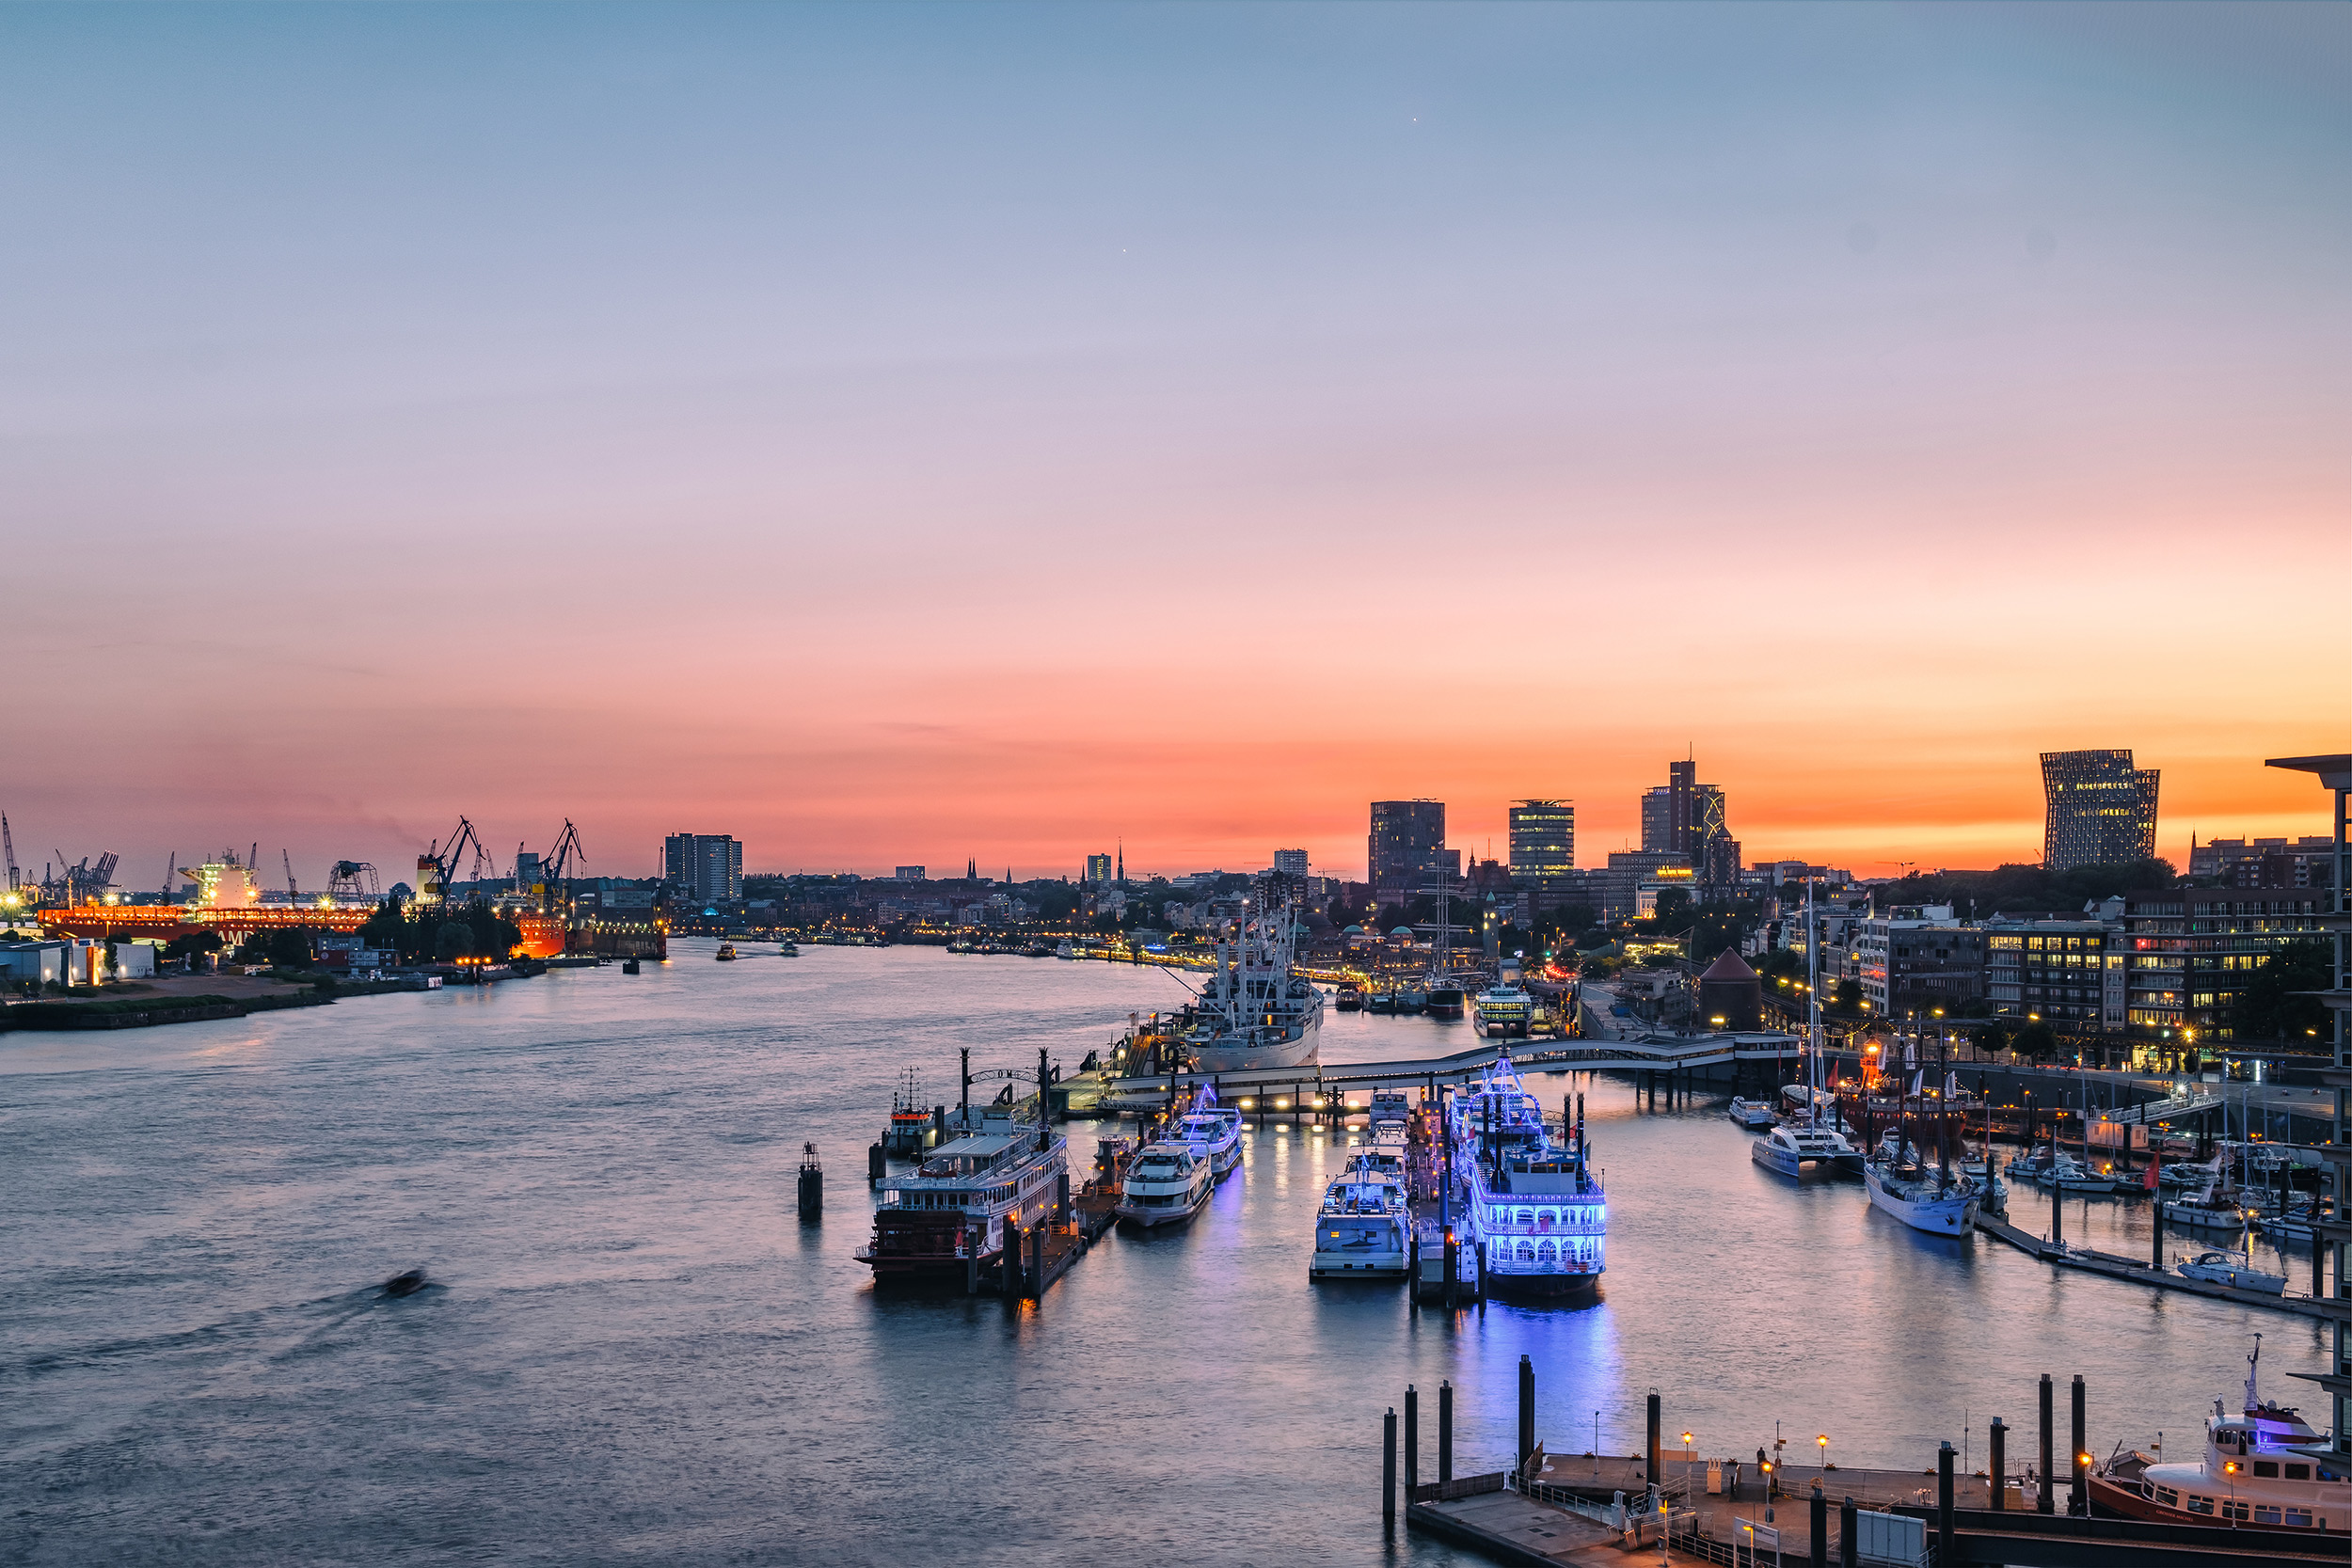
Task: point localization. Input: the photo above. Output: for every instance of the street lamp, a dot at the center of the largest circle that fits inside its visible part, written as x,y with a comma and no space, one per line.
1823,1441
1686,1464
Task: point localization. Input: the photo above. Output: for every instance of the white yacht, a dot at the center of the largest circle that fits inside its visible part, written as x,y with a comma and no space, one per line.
1166,1184
1792,1146
1923,1198
1212,1132
1502,1011
2222,1266
2265,1469
1362,1228
1751,1114
2070,1175
1256,1011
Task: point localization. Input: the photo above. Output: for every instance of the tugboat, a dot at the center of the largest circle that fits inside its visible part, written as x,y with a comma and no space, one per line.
726,952
2267,1468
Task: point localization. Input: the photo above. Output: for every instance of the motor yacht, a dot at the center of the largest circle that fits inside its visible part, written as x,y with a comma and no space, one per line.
1362,1228
2223,1266
1751,1114
1794,1146
1166,1183
1212,1131
2215,1209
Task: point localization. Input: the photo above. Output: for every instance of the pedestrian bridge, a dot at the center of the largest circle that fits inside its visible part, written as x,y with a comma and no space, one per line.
1656,1053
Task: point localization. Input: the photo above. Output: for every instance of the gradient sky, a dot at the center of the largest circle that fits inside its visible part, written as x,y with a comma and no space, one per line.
904,433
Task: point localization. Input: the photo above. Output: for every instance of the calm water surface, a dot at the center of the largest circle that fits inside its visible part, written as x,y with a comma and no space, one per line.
633,1351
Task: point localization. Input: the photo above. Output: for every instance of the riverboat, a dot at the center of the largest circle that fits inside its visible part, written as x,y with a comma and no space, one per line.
1502,1011
2267,1468
948,1217
1539,1209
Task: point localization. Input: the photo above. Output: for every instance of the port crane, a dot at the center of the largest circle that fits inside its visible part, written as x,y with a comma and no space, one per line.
293,895
7,844
556,870
354,879
447,863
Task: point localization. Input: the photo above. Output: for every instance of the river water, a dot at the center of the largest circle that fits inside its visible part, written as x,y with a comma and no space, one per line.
633,1351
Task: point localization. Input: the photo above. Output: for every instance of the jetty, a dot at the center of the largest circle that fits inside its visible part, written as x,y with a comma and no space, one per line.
2144,1271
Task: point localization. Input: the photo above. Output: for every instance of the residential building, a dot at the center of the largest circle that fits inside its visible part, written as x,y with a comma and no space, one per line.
1918,957
1406,848
1543,841
2058,972
709,866
1290,862
2098,809
2191,951
1618,889
2307,861
909,873
1098,870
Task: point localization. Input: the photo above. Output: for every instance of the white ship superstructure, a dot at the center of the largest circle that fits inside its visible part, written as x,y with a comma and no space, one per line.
1538,1207
1256,1010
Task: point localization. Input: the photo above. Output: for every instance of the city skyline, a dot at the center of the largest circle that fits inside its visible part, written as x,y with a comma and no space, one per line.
736,415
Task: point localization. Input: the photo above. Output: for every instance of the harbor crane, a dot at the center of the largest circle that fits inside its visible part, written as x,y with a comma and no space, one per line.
446,864
8,845
556,870
293,895
354,879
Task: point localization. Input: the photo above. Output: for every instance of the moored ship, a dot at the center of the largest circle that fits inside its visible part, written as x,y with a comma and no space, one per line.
1212,1132
2267,1468
946,1220
1502,1011
1166,1184
1539,1209
1256,1010
1362,1227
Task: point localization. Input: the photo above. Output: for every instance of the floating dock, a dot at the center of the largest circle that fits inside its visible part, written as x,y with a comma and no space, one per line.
2139,1271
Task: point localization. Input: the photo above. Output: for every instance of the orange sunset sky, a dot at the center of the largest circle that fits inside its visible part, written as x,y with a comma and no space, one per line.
899,436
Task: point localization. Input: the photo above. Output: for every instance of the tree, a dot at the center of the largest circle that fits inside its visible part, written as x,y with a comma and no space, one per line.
1991,1039
2269,1008
1847,998
189,943
454,939
2036,1041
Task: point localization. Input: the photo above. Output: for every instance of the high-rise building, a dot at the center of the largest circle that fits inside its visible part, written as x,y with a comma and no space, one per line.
909,873
2098,809
1681,814
1291,863
707,865
1407,844
1098,869
1543,841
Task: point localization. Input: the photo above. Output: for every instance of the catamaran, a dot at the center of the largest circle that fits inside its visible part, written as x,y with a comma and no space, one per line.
1540,1208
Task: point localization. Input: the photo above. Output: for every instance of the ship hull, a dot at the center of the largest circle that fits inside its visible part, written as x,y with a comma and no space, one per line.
1550,1288
1299,1050
1941,1217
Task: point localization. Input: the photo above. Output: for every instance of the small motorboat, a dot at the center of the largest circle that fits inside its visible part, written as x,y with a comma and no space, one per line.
726,952
2224,1267
788,950
1348,999
1751,1114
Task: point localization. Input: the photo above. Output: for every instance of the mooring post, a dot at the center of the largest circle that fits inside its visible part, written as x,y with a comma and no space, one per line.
1821,1527
1412,1441
971,1262
875,1168
1453,1268
2077,1462
1527,1414
1412,1266
1388,1470
1445,1437
1653,1438
1037,1274
1848,1550
2057,1211
2000,1463
1944,1503
1479,1256
2044,1502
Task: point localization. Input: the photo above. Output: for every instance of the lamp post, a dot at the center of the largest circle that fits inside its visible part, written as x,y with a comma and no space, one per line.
1823,1441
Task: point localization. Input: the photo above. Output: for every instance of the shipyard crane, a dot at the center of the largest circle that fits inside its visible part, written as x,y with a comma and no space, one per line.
293,895
354,879
8,845
446,864
171,874
557,867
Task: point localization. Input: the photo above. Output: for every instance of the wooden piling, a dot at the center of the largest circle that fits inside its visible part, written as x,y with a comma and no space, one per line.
2079,1502
1944,1504
1527,1413
2044,1502
1388,1470
1820,1555
1412,1440
1445,1435
2000,1463
1849,1549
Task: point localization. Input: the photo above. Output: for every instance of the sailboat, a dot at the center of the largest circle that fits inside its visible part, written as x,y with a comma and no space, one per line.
1808,1137
1937,1201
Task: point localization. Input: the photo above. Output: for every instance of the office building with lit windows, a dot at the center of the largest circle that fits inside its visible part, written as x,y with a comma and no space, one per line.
1543,841
709,866
1290,862
1406,850
2098,809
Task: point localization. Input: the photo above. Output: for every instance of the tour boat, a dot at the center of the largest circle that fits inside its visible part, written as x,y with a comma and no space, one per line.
1751,1114
1362,1227
1348,999
2225,1267
2267,1468
726,952
1212,1132
948,1219
1165,1185
1502,1011
1539,1209
1256,1010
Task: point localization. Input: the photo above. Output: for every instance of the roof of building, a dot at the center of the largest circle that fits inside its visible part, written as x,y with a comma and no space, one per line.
1729,966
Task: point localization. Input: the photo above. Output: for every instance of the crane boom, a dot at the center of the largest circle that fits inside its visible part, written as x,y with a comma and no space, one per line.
7,844
293,895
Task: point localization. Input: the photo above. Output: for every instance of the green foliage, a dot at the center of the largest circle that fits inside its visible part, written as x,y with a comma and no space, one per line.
189,943
2268,1007
1988,1038
431,935
2014,888
1847,998
2035,1042
1674,908
289,947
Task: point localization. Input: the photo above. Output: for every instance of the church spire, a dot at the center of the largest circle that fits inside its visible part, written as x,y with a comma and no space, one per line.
1122,862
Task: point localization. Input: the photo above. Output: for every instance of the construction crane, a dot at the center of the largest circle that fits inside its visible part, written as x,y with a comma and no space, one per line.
557,865
294,893
8,845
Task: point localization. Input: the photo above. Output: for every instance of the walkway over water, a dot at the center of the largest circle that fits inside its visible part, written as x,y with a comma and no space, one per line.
1665,1053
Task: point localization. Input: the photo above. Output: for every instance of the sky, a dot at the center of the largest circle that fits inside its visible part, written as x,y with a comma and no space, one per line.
900,433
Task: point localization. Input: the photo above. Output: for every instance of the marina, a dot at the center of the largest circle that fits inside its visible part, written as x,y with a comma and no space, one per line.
783,1055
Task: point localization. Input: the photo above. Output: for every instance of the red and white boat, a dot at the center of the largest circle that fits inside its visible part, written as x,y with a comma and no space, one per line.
2266,1469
